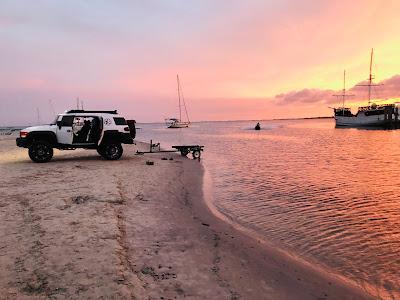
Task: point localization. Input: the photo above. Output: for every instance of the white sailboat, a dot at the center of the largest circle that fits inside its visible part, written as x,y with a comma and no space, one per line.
175,122
371,115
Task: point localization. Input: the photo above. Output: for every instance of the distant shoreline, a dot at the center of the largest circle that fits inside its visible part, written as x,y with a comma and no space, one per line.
254,120
308,118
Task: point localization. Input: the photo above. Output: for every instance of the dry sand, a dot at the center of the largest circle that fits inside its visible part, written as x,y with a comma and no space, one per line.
81,227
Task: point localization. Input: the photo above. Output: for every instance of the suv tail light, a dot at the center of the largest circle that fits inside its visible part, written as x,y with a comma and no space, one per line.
127,129
23,134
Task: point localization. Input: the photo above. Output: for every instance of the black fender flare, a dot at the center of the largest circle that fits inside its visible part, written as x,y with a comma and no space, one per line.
47,136
116,136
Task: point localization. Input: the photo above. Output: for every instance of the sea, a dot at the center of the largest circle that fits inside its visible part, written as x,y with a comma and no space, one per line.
330,196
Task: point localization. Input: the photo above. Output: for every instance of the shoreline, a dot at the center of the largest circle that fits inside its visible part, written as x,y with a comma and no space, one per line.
285,256
83,227
288,276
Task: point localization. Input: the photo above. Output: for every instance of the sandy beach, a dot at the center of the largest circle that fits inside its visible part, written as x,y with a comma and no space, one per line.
81,227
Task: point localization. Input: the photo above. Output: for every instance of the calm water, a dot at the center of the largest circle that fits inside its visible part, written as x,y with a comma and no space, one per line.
329,195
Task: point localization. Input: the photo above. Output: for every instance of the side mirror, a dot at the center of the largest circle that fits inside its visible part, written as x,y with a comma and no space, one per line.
59,124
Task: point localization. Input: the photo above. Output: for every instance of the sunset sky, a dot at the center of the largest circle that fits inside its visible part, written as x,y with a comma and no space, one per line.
253,59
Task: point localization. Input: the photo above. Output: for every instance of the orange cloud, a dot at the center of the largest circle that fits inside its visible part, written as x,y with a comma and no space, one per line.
389,88
304,96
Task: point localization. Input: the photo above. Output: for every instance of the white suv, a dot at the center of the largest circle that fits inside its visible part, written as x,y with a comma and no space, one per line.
104,131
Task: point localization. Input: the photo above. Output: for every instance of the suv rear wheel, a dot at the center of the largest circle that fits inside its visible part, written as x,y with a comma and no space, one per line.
111,150
40,151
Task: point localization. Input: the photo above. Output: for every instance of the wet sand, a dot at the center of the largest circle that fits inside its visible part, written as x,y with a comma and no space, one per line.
81,227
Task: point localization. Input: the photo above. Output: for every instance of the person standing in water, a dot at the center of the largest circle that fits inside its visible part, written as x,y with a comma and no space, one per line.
258,126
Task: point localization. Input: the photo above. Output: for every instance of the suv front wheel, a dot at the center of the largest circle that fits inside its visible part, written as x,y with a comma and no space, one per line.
111,150
40,151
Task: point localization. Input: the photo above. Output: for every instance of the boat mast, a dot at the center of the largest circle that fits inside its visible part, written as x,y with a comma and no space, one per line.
344,87
179,97
343,95
52,107
184,104
370,77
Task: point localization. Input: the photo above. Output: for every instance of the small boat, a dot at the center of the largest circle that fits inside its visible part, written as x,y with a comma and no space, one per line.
371,115
257,127
175,122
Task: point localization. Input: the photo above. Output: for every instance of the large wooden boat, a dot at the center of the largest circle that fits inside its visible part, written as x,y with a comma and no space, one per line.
370,115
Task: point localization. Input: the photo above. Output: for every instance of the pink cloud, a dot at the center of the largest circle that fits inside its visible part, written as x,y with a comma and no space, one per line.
304,96
390,88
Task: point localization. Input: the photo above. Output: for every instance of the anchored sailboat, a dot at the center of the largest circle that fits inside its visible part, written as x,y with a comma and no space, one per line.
175,122
371,115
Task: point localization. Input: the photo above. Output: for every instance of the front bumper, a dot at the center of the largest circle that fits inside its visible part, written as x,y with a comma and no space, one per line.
22,142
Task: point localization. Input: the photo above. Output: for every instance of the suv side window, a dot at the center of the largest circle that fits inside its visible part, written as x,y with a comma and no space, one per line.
67,121
120,121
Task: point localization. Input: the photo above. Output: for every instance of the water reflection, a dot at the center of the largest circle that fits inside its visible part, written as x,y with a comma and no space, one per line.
331,195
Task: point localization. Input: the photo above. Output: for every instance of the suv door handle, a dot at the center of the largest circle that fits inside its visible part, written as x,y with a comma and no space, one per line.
69,130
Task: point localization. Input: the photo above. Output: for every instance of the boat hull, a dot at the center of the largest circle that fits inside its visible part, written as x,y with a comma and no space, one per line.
361,121
178,125
175,123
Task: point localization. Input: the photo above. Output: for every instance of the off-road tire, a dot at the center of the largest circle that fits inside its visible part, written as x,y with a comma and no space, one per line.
111,150
40,151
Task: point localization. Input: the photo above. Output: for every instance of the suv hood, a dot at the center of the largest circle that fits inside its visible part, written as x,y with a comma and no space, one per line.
40,128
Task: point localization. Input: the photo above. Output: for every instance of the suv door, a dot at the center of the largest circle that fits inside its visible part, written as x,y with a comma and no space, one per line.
86,130
64,130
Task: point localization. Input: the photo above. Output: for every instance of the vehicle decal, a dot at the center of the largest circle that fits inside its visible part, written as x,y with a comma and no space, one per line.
107,121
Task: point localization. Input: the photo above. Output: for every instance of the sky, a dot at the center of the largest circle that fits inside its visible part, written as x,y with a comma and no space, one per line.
253,59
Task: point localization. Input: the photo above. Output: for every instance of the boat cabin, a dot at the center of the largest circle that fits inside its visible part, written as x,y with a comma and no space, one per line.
343,111
376,110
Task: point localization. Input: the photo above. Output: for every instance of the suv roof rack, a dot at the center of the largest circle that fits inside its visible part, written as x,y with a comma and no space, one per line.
76,111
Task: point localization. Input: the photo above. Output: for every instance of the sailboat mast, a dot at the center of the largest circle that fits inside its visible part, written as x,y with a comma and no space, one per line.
343,95
179,97
344,89
344,86
370,77
184,105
